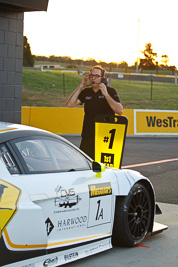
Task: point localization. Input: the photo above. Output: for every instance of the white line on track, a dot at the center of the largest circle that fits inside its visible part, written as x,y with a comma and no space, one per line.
149,163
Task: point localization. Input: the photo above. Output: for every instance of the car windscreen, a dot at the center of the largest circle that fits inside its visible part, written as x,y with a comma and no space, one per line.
46,154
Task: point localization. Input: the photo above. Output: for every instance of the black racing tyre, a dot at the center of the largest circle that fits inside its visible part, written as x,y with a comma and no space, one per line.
132,217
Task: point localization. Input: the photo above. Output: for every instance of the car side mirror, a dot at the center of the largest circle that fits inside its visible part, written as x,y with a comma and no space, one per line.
98,168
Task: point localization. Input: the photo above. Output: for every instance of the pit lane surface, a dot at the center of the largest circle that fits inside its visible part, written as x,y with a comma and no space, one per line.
164,174
156,251
159,250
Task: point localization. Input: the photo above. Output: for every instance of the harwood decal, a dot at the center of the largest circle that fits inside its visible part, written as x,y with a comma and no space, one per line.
49,226
103,189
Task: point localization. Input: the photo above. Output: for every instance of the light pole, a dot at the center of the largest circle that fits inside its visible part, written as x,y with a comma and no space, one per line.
138,46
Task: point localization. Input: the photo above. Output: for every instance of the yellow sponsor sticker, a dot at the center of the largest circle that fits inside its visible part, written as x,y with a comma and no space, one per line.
9,197
102,189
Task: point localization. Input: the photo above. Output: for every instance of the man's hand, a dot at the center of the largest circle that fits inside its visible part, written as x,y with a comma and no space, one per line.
85,82
103,89
73,98
115,106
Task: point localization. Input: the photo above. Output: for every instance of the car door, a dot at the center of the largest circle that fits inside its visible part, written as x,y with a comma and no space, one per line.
76,205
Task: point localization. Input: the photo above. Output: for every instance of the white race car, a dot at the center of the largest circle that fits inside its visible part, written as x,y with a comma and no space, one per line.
53,207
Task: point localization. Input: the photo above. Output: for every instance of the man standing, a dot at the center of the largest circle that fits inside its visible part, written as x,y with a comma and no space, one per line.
98,99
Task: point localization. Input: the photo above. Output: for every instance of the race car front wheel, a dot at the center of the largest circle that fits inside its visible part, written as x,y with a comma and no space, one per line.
132,217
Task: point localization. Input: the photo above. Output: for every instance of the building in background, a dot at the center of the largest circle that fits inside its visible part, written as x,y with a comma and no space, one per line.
11,54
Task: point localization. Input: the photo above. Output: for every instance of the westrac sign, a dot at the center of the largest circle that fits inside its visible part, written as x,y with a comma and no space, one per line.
163,122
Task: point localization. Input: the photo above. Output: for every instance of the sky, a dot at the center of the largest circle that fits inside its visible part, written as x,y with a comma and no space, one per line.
110,31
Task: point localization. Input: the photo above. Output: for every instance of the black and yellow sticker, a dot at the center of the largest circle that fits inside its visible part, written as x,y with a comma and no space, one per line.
103,189
9,197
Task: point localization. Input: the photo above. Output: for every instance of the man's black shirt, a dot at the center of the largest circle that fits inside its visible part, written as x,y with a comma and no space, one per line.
95,104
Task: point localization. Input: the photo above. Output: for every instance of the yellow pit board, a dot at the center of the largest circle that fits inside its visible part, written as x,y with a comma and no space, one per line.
110,139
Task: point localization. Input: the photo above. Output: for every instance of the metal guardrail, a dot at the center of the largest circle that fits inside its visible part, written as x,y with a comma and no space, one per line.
144,77
128,76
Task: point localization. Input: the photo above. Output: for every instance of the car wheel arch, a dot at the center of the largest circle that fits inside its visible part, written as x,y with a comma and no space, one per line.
121,198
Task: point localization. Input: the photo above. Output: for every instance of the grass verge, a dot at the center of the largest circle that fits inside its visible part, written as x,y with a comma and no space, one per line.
53,89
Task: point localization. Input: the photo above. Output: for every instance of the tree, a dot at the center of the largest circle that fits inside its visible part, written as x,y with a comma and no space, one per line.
173,69
165,60
91,62
123,65
28,58
149,62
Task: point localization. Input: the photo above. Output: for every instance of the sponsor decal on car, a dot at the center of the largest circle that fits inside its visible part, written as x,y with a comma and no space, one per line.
49,226
100,196
66,198
102,189
50,261
69,257
72,223
9,197
97,248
